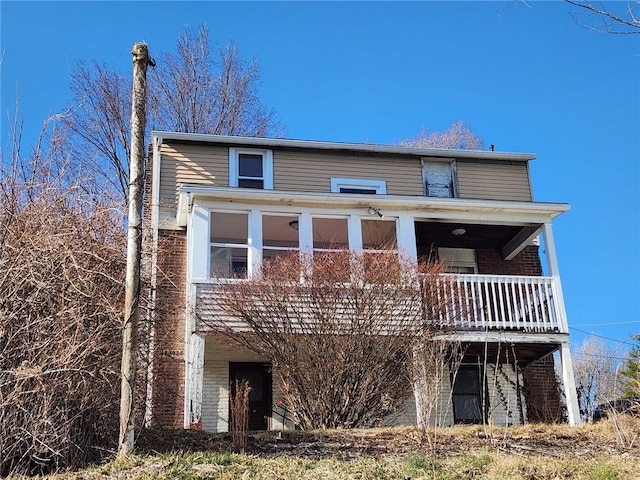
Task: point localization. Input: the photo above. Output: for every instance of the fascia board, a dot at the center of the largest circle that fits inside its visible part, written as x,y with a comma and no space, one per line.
359,147
428,207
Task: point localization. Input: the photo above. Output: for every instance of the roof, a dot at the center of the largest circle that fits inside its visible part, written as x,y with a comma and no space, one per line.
354,147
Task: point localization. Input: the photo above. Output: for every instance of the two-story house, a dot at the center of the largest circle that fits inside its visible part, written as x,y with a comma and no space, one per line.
219,205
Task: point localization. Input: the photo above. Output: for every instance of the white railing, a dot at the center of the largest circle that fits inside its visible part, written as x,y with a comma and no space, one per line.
501,302
466,302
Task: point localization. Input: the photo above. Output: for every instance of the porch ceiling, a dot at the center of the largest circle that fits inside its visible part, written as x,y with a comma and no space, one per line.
524,353
476,236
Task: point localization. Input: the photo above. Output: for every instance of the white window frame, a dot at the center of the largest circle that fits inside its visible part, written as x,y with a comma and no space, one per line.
456,258
267,165
380,186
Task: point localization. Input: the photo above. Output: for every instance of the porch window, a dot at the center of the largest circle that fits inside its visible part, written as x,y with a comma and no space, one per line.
251,168
379,237
458,260
330,234
229,244
279,235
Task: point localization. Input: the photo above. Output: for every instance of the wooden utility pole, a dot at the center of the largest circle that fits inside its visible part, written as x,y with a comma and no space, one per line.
141,60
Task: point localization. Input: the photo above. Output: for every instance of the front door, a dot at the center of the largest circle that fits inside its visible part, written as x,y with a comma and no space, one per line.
258,376
468,395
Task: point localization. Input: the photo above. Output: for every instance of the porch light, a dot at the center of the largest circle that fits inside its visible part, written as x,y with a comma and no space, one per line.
294,224
458,231
375,211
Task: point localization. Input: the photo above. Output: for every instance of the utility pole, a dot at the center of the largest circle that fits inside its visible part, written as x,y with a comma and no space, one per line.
141,60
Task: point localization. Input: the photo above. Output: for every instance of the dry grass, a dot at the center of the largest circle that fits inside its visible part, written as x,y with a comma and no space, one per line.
535,452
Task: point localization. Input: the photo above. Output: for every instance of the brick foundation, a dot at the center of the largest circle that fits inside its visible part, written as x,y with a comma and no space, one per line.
542,392
168,387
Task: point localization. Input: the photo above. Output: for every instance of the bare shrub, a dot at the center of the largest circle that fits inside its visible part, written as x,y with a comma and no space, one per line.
239,403
339,329
61,276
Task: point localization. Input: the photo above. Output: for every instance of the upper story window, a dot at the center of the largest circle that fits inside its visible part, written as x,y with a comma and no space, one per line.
358,185
251,168
439,179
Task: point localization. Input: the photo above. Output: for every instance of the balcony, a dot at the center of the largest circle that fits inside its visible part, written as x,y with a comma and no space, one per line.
526,304
499,302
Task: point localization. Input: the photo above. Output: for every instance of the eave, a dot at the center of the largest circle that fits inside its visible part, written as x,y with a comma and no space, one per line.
343,146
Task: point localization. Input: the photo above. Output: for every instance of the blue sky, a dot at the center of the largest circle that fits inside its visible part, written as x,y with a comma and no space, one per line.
527,79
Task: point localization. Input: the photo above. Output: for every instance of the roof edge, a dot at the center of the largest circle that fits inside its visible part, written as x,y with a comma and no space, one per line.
360,147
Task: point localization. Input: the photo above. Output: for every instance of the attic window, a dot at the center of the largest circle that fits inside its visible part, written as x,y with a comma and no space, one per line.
358,186
439,179
251,168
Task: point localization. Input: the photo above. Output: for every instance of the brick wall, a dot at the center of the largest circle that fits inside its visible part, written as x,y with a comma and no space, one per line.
527,262
542,392
168,371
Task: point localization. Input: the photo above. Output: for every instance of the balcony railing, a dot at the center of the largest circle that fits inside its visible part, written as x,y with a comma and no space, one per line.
468,303
500,302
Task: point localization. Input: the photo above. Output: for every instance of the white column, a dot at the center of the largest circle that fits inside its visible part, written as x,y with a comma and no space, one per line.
406,232
354,227
573,409
568,380
305,233
198,250
554,272
254,255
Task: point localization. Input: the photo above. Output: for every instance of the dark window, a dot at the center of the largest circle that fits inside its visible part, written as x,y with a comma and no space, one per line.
250,170
367,191
468,395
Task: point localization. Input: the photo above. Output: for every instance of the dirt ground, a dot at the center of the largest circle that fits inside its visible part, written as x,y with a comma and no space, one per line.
616,438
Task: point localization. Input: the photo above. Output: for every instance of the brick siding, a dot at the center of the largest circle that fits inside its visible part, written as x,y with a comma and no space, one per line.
168,387
542,392
527,262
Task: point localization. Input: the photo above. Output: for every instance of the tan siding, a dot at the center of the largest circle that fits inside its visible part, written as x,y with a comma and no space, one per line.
312,171
198,164
492,181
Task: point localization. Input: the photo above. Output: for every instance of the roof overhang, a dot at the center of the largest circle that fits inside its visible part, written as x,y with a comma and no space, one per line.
356,147
452,210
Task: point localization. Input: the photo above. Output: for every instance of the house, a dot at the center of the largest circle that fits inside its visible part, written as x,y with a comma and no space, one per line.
220,204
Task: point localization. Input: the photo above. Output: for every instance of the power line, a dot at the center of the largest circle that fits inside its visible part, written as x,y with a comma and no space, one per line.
600,336
605,324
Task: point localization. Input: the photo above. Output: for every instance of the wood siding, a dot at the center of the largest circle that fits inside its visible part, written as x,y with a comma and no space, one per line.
196,164
312,171
493,181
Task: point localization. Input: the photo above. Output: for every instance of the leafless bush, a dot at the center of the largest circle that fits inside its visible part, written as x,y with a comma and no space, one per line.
339,329
434,368
61,270
239,402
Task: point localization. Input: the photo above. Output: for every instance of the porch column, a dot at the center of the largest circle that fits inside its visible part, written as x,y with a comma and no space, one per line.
255,242
568,380
305,233
573,409
193,363
406,233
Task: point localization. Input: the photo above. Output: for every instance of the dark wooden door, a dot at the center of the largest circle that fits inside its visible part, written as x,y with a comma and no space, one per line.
468,395
258,375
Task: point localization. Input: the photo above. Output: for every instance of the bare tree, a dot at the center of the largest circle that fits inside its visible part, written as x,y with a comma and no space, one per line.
621,18
458,136
339,329
194,89
61,291
595,373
